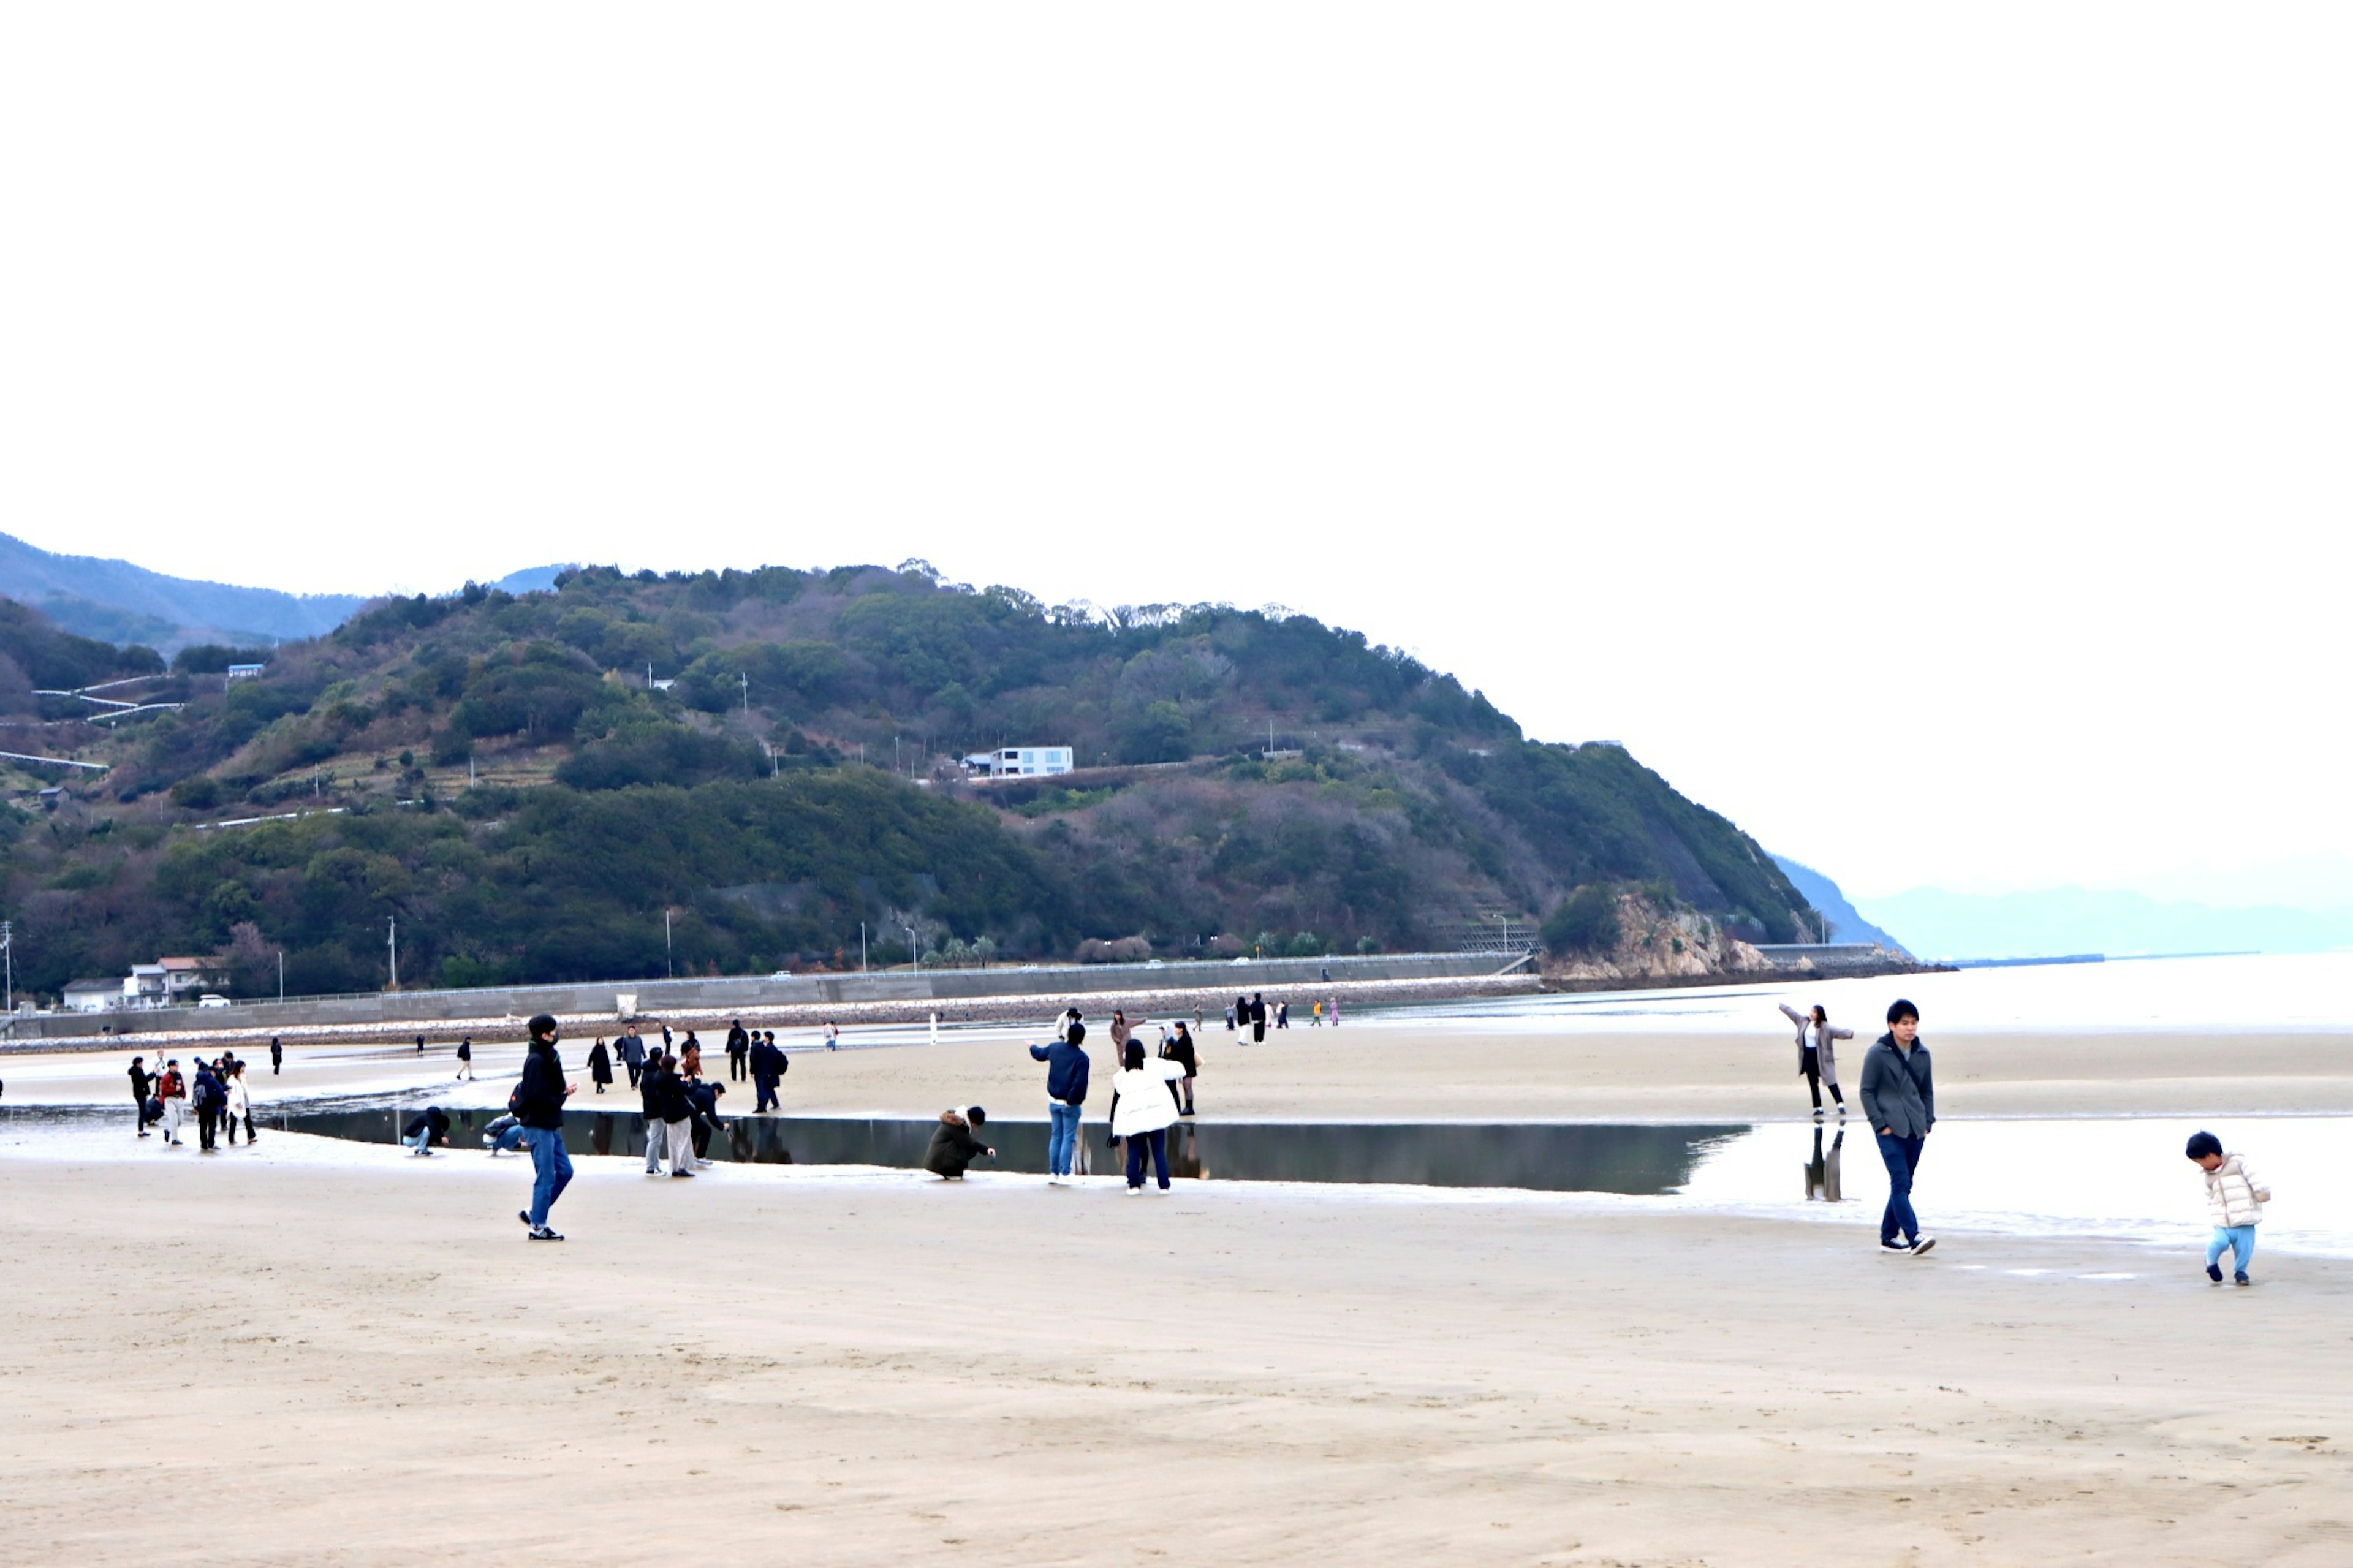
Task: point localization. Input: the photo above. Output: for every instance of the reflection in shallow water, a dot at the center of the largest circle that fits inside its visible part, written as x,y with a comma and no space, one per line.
1577,1158
1822,1170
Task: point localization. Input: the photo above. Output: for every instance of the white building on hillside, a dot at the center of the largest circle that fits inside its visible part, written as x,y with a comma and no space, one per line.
1019,762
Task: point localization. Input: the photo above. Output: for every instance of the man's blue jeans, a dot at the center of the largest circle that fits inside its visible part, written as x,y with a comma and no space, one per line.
1902,1156
2239,1238
1061,1138
551,1168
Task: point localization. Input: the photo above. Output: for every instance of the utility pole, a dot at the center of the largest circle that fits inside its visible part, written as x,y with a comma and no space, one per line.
669,962
862,947
281,974
469,769
9,954
649,674
392,943
913,956
745,682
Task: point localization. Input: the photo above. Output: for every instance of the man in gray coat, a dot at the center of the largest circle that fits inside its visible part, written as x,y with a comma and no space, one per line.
1899,1095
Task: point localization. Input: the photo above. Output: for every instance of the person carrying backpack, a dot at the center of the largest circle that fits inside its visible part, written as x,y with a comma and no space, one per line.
208,1099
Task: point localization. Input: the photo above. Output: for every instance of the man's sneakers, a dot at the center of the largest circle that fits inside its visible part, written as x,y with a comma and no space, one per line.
541,1233
524,1215
1922,1244
1889,1243
683,1175
2214,1272
2241,1278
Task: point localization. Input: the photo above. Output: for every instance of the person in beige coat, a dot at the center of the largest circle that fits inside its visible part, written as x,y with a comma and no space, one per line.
2235,1197
1817,1058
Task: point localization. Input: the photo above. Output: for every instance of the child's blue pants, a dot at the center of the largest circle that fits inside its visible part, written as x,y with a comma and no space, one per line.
2241,1241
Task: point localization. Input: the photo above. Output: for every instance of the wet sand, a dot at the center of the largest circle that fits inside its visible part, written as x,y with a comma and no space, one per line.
326,1354
1386,1070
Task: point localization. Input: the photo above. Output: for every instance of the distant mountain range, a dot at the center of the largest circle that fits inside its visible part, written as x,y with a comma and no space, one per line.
2058,922
1846,922
117,602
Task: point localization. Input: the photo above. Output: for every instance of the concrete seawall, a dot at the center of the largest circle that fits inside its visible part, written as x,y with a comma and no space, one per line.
1005,992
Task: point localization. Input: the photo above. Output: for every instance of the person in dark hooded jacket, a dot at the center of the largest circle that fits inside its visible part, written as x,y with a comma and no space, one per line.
600,1065
428,1127
954,1147
210,1098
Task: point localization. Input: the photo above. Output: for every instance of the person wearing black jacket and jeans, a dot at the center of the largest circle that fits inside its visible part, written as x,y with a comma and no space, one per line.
538,1104
1899,1095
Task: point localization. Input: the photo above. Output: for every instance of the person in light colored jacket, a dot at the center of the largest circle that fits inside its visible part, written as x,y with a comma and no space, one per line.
1816,1053
2235,1197
1142,1108
240,1105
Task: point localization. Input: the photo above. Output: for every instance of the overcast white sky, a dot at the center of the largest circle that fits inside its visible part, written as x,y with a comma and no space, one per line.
1922,435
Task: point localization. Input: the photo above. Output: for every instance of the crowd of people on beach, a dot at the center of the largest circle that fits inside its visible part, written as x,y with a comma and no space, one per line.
215,1094
1150,1091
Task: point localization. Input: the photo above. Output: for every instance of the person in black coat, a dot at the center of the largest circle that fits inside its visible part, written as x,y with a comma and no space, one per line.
1258,1017
538,1104
429,1126
1178,1047
600,1065
140,1087
739,1045
954,1147
666,1090
277,1054
768,1068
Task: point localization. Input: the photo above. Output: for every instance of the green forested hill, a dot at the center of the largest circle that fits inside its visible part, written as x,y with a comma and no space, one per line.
517,791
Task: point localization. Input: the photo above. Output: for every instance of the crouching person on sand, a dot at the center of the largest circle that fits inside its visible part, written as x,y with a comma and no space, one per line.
953,1145
429,1126
539,1105
503,1136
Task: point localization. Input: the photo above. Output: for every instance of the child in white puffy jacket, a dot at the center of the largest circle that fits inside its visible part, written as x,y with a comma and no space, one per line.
2235,1197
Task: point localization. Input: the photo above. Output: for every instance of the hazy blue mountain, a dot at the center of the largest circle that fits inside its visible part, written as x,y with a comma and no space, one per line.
1847,924
531,579
108,599
2061,921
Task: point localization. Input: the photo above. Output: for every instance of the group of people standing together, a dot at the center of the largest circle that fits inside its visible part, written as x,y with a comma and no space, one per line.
1149,1094
1249,1015
217,1094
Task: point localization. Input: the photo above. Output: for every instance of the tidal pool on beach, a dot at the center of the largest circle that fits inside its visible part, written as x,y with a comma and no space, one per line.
2122,1177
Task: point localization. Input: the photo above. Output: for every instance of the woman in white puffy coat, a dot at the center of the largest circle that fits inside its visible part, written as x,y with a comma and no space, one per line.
1142,1110
2235,1197
240,1105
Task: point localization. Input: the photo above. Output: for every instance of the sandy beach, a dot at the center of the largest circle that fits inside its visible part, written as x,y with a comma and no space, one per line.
314,1352
1389,1070
290,1357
